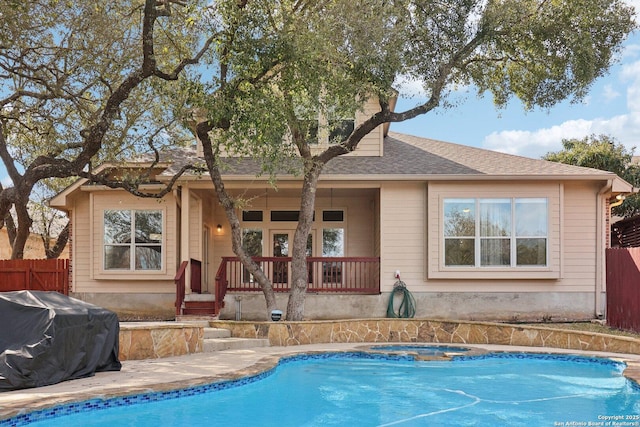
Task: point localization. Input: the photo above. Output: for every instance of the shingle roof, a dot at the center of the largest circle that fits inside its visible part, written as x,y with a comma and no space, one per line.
410,156
476,161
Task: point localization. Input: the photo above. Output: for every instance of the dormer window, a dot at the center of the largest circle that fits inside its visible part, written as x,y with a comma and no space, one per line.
339,130
325,132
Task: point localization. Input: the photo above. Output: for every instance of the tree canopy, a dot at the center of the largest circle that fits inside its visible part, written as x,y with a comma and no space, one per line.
605,153
79,86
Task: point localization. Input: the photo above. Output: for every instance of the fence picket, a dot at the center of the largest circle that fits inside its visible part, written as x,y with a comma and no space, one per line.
623,288
35,274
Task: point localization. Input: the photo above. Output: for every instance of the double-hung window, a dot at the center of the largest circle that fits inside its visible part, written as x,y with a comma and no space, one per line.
133,240
496,232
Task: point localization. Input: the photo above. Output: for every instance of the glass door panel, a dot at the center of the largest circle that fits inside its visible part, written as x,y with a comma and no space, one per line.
252,245
332,246
280,246
281,242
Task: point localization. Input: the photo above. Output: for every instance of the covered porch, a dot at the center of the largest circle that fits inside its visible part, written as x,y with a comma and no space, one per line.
343,247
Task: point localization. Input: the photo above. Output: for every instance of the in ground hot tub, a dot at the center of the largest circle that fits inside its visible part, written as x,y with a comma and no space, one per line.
422,350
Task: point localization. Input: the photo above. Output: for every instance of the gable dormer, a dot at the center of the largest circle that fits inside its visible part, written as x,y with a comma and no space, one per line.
371,144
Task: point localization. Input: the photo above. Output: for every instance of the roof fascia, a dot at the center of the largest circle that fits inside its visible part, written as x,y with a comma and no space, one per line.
59,201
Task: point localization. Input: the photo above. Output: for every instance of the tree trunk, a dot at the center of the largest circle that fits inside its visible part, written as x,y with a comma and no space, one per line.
236,240
226,202
22,233
11,228
59,246
299,267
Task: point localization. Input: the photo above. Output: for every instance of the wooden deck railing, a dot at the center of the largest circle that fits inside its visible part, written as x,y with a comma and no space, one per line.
345,275
181,281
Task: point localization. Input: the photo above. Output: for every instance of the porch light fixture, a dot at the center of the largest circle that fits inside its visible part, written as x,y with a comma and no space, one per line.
219,228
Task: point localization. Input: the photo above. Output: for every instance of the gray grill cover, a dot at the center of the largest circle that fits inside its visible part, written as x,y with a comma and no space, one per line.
47,337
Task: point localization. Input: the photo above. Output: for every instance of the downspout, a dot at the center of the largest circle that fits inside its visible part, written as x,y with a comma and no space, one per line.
601,238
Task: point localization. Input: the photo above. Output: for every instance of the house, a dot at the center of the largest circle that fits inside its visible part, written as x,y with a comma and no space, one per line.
474,234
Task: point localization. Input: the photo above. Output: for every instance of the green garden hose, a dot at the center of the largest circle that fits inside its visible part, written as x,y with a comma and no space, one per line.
407,307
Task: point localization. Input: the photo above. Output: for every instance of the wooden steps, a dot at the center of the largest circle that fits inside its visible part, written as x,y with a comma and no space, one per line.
199,305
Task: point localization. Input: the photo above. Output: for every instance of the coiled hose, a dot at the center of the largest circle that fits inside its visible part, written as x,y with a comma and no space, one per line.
407,307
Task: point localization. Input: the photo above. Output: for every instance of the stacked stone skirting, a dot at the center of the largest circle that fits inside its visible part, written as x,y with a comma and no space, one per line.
154,340
164,339
427,331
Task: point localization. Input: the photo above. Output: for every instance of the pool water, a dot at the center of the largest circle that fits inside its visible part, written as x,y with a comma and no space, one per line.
357,389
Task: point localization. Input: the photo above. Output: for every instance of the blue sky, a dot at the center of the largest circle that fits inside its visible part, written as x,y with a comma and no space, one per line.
612,107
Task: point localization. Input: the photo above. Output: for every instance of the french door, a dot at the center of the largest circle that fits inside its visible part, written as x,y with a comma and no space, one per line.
281,247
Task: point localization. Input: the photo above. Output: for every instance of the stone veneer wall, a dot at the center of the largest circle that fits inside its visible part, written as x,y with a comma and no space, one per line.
154,340
430,331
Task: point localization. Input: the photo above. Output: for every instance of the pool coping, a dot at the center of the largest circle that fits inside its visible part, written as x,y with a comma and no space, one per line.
139,377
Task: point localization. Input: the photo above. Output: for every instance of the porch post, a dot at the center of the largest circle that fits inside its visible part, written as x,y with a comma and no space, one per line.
184,233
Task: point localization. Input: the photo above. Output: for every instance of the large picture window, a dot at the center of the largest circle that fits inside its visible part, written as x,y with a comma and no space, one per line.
495,232
133,240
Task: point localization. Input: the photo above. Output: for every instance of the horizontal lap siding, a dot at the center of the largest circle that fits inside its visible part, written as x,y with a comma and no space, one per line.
360,218
87,244
580,236
371,144
403,213
82,253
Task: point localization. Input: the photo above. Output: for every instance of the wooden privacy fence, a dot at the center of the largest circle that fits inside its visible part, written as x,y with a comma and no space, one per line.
623,288
35,275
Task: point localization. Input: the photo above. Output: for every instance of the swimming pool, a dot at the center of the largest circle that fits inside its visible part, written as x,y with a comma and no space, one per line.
373,389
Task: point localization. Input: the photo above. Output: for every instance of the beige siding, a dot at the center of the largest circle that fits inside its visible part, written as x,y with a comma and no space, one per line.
209,219
411,238
360,232
371,144
82,260
88,275
579,249
402,234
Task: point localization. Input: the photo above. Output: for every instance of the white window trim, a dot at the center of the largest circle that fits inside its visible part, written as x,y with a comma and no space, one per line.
441,271
132,273
513,237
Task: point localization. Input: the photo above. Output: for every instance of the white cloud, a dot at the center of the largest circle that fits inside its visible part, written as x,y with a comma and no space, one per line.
409,87
536,143
634,3
609,93
624,128
631,73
